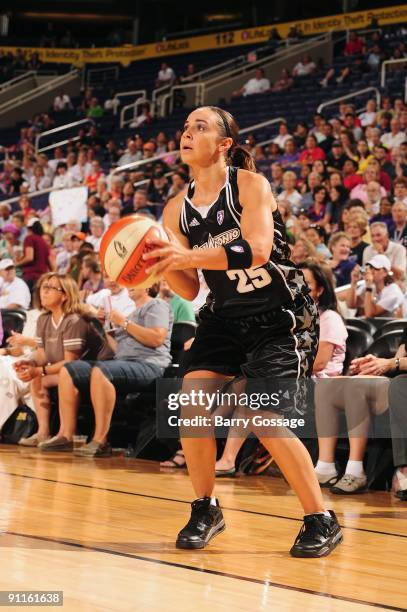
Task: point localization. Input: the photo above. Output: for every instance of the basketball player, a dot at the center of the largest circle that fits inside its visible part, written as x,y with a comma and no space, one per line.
259,305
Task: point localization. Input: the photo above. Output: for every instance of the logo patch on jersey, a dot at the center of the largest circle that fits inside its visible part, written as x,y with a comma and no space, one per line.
194,223
220,215
237,248
220,239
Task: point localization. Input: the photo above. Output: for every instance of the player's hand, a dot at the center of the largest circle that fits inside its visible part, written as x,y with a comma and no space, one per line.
172,255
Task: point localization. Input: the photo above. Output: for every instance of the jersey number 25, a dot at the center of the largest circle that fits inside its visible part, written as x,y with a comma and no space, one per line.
250,279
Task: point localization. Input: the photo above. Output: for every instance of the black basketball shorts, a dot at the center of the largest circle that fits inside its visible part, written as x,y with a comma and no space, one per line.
281,343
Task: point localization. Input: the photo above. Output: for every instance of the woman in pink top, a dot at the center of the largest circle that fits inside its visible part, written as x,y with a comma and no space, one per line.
332,331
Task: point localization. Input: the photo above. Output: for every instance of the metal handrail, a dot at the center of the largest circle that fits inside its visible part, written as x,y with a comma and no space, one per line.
34,194
348,31
29,95
134,92
258,126
134,107
142,162
92,71
61,128
170,96
16,80
242,57
387,63
351,95
286,52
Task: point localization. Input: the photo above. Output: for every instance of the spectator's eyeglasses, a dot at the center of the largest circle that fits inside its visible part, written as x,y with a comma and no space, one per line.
46,287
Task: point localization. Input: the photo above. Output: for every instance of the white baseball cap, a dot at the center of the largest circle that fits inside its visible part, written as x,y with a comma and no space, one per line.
32,221
6,263
380,261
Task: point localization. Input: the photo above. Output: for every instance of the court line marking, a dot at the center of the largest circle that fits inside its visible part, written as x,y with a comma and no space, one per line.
205,571
181,501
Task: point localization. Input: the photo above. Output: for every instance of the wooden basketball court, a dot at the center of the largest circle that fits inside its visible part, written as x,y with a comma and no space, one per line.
103,532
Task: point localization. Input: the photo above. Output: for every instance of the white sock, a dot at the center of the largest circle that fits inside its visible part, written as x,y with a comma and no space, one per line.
213,501
355,468
325,468
402,478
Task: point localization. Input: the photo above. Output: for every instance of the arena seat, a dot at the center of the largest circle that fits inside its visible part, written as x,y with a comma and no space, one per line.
357,344
396,324
362,324
386,346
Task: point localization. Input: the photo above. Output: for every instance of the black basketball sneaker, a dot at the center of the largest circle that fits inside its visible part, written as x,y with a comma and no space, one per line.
205,523
318,536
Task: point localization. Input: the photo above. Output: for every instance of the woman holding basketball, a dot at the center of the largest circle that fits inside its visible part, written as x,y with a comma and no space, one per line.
259,321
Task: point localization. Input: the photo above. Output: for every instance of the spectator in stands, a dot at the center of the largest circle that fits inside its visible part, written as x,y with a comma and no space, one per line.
341,264
318,210
178,183
290,157
95,174
317,235
157,192
300,134
95,111
398,233
92,277
382,245
144,116
283,135
62,179
114,212
312,181
355,230
350,178
332,333
384,213
368,117
112,297
284,83
375,57
132,154
354,45
336,158
62,335
189,72
395,137
14,292
62,102
312,151
290,193
181,309
400,190
5,214
305,67
97,228
378,295
81,170
165,77
302,250
256,85
277,178
35,260
16,180
142,343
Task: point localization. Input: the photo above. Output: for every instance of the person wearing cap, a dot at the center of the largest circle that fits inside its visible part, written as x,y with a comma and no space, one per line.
5,214
35,260
336,158
382,245
378,295
14,292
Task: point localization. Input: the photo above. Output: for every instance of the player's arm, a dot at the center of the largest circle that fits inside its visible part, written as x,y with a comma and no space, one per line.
184,282
256,226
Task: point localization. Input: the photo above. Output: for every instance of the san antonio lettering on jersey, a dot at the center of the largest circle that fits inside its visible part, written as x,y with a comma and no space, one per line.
240,292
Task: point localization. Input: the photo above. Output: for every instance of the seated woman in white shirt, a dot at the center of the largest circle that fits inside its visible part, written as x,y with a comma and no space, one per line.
378,295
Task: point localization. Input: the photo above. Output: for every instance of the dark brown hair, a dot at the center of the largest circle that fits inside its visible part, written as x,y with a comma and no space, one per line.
228,127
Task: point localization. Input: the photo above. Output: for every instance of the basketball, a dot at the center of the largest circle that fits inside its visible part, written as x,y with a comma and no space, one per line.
123,246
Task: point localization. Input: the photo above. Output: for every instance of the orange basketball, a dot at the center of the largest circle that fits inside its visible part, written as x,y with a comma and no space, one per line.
122,247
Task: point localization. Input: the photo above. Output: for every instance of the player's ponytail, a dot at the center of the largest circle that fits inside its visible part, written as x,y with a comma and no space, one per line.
228,127
241,158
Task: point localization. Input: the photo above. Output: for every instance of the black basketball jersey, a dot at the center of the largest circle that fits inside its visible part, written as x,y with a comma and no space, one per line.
240,292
